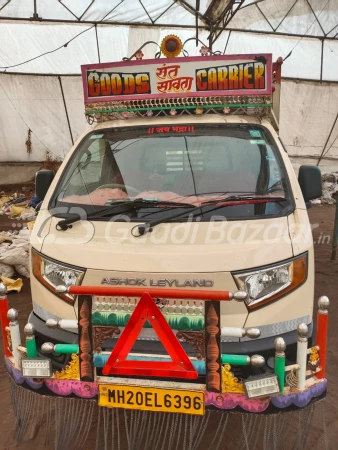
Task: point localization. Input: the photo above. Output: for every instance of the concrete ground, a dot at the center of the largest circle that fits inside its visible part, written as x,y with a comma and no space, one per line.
326,284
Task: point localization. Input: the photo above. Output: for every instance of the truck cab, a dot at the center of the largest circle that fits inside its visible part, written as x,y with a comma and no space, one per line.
242,225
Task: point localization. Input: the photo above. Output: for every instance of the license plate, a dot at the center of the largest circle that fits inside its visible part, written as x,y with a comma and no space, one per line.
151,399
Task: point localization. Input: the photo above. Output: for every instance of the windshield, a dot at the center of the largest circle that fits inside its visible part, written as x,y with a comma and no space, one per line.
182,164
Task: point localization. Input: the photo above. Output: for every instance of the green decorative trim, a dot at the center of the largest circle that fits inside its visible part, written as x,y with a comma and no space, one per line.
161,108
175,321
68,349
31,348
235,360
280,371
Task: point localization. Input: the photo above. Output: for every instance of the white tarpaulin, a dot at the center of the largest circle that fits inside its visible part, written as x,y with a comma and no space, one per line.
308,111
54,38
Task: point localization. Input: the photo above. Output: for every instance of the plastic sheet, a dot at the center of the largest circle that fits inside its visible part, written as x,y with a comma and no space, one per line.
36,103
308,112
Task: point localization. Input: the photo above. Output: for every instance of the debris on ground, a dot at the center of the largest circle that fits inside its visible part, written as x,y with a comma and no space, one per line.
18,206
330,187
34,201
14,253
12,285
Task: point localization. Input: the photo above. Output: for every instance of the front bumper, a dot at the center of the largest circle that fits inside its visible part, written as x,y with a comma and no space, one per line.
107,356
263,347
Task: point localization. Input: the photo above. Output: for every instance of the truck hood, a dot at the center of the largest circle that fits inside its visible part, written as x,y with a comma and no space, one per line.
171,247
183,255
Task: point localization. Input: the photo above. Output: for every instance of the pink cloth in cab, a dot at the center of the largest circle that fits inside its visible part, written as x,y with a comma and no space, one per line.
101,196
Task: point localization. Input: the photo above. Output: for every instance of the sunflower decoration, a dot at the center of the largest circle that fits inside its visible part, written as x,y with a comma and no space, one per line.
171,46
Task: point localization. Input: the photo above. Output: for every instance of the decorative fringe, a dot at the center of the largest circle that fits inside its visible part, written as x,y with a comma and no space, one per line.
77,424
59,422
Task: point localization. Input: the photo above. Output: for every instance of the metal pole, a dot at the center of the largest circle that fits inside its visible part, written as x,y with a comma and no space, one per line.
3,318
29,331
302,330
322,323
66,111
335,231
12,315
280,347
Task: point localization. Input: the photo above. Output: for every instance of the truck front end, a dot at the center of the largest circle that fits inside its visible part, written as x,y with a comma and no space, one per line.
172,260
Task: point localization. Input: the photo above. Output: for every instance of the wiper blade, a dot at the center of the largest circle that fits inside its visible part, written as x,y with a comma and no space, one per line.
227,201
119,207
246,198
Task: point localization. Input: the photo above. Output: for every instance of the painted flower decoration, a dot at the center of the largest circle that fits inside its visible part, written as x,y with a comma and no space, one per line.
171,46
199,111
204,50
125,115
139,54
149,113
173,112
226,110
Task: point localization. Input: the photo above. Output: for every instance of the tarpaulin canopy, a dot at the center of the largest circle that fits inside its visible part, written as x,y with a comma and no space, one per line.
44,43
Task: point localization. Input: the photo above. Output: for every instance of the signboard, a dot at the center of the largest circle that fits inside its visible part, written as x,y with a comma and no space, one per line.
203,76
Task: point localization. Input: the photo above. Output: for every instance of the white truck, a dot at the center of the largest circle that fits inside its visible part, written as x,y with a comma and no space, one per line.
180,195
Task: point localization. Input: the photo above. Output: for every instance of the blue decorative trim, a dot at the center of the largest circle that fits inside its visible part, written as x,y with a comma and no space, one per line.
101,359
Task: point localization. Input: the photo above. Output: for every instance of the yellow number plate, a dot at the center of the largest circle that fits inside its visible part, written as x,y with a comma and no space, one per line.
151,399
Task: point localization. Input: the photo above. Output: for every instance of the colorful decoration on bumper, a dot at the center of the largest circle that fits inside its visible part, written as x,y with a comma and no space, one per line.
117,364
280,347
14,328
302,341
171,46
314,360
213,347
92,365
85,338
29,331
196,339
6,339
322,321
229,382
71,371
101,334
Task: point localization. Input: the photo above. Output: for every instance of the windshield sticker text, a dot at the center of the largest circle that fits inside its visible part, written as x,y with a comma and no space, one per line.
178,129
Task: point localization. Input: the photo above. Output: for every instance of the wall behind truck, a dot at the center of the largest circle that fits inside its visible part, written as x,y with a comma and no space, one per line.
52,108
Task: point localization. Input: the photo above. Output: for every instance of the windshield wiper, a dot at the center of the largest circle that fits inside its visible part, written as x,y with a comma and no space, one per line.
226,201
119,207
245,198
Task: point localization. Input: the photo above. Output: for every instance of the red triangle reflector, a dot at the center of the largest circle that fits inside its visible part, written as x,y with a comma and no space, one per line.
117,364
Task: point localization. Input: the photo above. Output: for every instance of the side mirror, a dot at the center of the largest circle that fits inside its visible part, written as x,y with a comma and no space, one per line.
43,179
310,181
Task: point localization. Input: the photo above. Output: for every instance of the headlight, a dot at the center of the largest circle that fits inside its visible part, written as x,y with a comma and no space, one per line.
52,274
269,283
